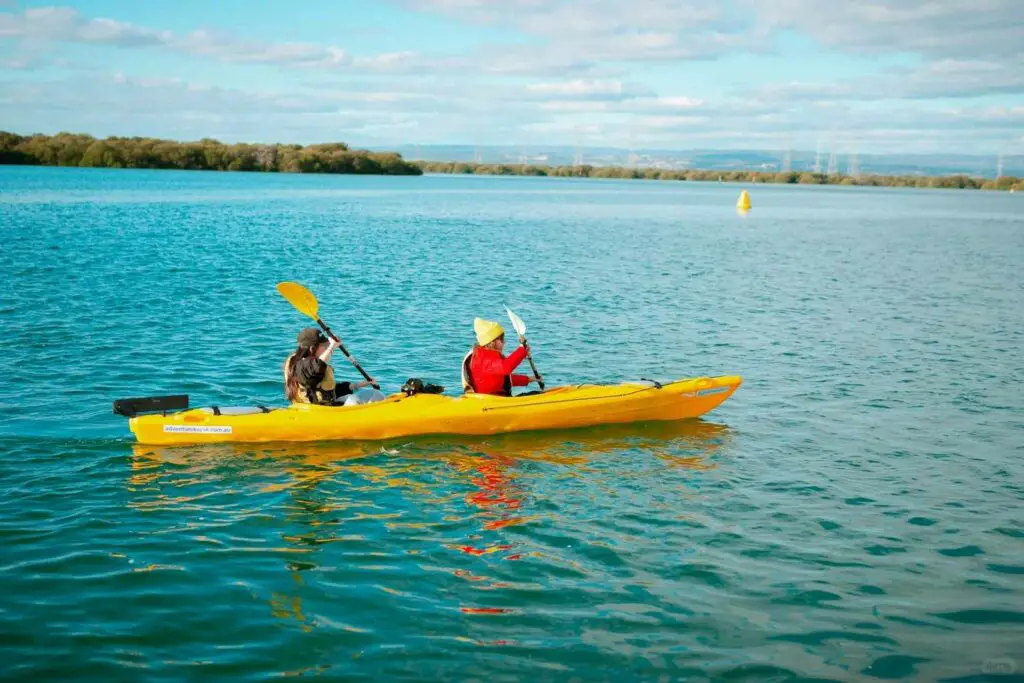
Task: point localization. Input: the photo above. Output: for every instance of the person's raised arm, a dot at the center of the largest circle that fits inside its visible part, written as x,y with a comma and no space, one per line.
515,358
326,355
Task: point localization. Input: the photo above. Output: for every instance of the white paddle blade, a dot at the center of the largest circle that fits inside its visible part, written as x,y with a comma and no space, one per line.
517,323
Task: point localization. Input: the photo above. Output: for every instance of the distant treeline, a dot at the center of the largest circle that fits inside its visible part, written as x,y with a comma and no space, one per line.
68,149
788,177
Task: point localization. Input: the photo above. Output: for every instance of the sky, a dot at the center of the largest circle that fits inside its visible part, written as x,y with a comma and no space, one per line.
868,76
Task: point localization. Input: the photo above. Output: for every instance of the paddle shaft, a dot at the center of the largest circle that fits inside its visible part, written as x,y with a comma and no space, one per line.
529,357
345,351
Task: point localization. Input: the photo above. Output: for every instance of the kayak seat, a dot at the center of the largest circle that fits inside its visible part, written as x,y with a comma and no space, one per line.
236,410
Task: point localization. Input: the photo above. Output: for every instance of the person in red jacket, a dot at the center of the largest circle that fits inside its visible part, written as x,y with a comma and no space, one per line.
485,370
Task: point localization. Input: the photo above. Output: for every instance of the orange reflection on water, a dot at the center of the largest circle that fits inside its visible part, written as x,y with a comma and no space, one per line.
498,470
470,550
484,610
496,486
468,575
502,523
496,491
289,607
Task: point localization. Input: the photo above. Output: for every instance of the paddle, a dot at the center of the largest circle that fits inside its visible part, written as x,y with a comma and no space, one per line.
520,328
304,301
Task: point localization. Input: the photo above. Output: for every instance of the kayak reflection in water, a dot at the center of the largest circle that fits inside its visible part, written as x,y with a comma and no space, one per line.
485,370
309,379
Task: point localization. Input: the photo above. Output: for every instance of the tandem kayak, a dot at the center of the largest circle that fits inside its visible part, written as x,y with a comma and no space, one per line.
400,415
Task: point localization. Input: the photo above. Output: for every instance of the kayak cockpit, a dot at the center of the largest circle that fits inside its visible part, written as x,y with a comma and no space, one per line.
236,410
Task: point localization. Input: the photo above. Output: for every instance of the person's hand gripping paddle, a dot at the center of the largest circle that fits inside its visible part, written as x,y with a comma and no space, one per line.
520,328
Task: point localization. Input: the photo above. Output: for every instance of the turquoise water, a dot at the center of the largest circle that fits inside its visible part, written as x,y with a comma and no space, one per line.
853,512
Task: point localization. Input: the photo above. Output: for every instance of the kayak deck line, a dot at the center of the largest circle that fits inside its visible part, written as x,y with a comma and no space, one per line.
399,415
573,400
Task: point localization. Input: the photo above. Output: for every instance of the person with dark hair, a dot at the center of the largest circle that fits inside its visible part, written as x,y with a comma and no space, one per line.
308,378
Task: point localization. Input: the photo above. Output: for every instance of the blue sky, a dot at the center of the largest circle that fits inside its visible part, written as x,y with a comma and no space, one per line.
871,76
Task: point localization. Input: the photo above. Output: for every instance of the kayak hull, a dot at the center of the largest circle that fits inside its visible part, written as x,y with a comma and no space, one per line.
471,414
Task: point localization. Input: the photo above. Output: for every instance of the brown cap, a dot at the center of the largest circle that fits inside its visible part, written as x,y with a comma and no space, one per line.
310,337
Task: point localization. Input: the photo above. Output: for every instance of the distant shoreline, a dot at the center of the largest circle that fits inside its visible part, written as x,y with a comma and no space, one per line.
85,151
960,181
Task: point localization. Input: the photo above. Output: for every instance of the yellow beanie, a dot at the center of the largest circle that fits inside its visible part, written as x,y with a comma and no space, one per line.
486,331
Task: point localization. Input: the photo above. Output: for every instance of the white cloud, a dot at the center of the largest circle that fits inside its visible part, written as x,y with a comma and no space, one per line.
64,24
54,25
22,63
175,109
565,127
609,29
581,89
581,36
532,62
999,116
178,109
388,61
935,28
228,49
676,30
948,78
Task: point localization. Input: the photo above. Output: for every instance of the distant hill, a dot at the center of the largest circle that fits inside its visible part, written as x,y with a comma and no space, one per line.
712,159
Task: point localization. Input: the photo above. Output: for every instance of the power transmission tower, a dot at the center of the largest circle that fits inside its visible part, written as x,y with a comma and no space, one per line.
577,159
632,158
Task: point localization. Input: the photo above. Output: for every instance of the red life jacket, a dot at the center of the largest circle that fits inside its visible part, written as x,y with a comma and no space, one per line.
485,371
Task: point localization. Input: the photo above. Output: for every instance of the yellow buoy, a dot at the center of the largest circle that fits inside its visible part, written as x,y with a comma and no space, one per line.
743,203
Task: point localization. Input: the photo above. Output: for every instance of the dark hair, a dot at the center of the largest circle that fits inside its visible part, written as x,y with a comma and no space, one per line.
291,384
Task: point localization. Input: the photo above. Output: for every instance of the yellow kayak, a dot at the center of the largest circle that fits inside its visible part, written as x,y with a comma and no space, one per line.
399,415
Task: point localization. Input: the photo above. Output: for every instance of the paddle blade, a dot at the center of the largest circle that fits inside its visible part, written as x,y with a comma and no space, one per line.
300,297
517,322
